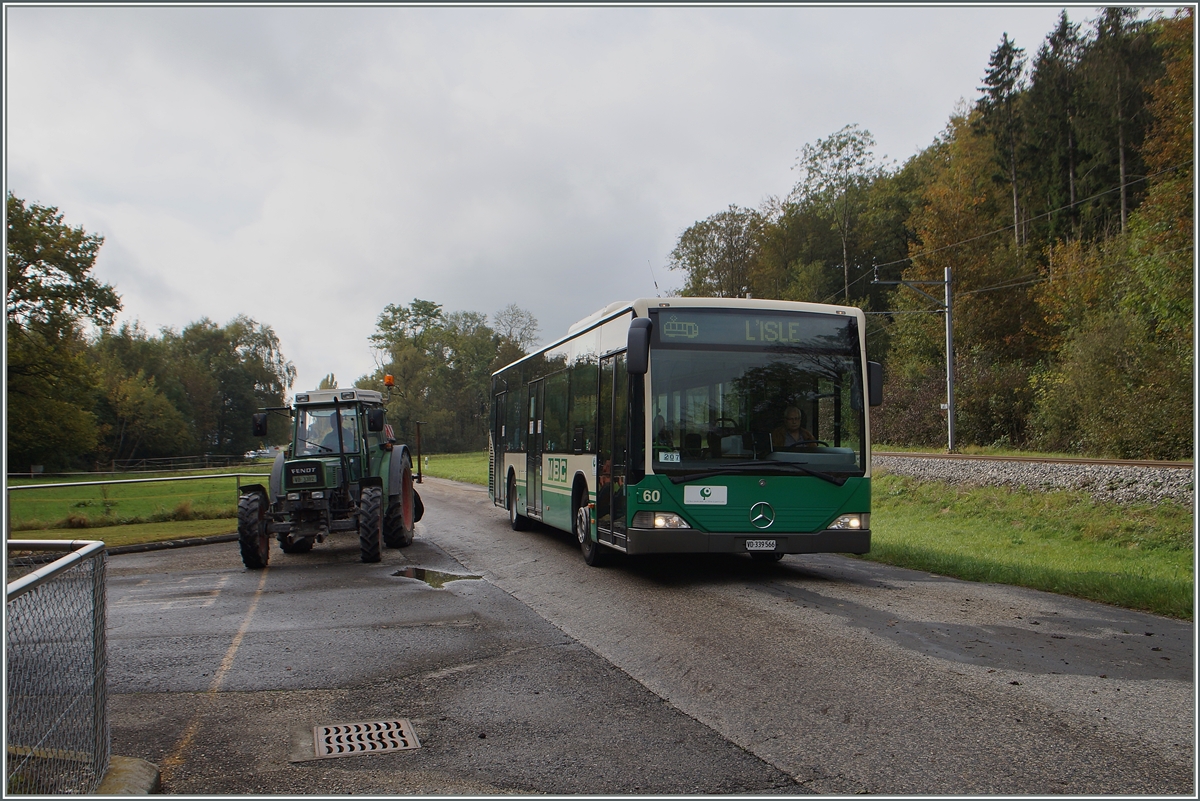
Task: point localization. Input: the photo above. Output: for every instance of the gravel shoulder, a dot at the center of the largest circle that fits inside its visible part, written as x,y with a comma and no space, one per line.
1105,483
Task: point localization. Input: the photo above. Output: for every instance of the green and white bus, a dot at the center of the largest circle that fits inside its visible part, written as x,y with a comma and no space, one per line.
691,425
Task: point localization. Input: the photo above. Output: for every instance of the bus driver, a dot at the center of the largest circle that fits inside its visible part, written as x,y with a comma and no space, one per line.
792,432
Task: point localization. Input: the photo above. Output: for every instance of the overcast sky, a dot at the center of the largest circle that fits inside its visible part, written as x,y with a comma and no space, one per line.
306,166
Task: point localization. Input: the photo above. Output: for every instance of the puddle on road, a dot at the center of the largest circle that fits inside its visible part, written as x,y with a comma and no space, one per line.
434,578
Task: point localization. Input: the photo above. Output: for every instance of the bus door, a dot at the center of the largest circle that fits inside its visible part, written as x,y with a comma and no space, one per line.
612,454
533,458
496,483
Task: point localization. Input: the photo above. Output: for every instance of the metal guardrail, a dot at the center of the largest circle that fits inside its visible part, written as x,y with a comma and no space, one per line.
204,461
53,485
56,691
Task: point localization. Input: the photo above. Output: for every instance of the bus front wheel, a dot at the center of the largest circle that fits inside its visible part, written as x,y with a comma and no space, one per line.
593,552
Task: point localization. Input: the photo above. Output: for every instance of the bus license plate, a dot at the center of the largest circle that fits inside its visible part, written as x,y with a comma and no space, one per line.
760,545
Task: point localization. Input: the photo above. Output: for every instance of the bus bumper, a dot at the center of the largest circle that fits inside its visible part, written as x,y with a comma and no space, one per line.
641,540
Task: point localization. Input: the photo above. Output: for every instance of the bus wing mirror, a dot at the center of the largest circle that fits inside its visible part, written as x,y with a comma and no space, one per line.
374,419
637,359
875,383
258,424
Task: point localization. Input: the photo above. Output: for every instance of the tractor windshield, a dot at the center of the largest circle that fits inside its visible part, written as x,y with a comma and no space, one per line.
316,430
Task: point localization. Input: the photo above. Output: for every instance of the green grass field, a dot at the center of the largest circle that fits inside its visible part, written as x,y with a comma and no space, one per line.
136,534
471,468
1138,557
124,504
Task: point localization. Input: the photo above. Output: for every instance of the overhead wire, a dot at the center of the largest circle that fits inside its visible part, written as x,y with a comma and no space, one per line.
1006,228
1009,228
1009,283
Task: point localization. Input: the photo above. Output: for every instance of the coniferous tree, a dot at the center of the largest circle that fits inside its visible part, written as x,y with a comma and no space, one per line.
1000,117
1116,67
1051,146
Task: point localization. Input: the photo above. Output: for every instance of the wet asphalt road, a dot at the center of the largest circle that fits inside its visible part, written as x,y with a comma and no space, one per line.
664,675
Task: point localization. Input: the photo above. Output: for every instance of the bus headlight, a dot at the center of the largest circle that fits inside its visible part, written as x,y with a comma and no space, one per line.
318,495
669,520
293,496
850,522
659,520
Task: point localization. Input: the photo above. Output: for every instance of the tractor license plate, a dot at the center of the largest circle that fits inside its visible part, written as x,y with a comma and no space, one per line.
760,545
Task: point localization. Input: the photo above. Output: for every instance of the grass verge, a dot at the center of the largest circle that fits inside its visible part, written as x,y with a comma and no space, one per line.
112,536
1137,556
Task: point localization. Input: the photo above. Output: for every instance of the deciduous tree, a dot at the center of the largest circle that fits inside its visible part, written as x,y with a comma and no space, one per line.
717,255
51,293
835,174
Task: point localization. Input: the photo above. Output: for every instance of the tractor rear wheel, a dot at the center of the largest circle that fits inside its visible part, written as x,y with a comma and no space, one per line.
253,539
400,522
370,523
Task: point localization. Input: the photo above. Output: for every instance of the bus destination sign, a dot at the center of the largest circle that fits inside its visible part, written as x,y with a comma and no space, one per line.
754,329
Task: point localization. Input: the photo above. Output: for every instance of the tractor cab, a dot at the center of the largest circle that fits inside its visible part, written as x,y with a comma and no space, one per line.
343,471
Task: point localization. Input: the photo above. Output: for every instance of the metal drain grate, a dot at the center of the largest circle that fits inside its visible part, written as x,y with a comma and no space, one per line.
375,737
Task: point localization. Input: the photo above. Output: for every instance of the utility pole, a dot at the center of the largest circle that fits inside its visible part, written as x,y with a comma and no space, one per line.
945,308
949,367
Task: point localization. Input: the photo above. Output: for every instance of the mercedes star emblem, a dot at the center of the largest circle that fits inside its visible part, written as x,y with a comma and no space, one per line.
762,515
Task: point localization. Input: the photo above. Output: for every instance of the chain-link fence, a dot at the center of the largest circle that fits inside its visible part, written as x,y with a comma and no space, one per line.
56,702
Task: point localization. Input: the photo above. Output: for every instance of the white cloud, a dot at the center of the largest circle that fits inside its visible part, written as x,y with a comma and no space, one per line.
306,166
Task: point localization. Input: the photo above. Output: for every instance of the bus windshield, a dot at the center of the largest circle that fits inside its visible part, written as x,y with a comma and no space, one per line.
763,391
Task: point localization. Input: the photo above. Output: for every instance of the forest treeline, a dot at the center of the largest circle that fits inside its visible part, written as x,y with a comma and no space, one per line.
83,393
1062,201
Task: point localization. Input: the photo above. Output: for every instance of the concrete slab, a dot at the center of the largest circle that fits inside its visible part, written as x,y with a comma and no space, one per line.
129,776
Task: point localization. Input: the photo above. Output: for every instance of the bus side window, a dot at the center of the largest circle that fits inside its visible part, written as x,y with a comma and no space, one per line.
582,410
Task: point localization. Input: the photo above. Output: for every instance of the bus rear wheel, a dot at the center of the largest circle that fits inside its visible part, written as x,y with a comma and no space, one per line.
518,521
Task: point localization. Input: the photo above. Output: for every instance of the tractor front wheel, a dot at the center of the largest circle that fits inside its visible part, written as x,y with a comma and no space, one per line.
253,539
370,523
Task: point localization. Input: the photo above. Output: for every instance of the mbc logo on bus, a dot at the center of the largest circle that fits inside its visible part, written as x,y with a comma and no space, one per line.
556,470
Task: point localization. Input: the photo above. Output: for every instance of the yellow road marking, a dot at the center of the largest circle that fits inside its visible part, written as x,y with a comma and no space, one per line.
189,734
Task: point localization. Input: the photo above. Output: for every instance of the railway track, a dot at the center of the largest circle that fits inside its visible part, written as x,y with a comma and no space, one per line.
1037,459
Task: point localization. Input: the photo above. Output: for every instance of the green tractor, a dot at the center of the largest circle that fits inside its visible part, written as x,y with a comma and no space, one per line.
343,471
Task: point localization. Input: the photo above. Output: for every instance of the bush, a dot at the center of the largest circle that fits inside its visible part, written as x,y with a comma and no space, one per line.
993,401
1117,392
911,412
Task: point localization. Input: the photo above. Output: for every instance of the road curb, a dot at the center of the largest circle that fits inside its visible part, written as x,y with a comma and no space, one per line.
164,544
130,776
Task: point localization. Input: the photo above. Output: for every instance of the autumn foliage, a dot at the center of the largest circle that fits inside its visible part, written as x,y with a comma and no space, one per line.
1061,201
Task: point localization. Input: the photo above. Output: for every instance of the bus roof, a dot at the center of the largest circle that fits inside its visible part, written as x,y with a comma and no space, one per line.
641,306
